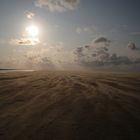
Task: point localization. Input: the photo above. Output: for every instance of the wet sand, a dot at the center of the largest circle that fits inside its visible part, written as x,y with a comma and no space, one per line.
60,105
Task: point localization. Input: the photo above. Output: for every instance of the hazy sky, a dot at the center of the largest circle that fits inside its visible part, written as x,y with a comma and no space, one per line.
72,24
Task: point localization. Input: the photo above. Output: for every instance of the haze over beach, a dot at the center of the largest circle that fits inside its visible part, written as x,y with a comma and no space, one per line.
69,70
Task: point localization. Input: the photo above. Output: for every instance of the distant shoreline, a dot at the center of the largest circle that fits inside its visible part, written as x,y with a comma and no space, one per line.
8,69
14,70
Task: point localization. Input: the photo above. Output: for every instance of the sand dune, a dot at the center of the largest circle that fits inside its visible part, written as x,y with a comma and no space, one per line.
69,106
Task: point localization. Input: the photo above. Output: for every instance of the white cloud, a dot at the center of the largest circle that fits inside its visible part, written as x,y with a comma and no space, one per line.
57,5
29,14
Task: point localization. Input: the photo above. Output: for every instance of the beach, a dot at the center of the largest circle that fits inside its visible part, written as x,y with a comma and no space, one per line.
69,105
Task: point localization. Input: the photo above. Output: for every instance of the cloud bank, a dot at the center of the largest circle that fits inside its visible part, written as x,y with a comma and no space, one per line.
57,5
96,55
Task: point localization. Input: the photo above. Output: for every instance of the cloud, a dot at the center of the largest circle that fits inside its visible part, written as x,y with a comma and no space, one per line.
51,57
98,55
132,46
79,30
29,37
56,56
92,53
29,15
57,5
87,29
101,40
25,41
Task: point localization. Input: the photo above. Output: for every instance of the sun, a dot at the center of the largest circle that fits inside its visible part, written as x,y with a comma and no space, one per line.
32,31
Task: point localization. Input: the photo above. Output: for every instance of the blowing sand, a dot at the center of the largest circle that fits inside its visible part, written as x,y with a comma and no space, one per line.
69,106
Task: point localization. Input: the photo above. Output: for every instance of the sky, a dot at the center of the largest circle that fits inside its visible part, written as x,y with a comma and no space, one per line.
66,34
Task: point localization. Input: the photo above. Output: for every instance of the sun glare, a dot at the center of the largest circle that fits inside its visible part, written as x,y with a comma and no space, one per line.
32,31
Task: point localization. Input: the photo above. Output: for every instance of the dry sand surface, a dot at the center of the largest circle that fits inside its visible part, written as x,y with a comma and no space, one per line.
69,106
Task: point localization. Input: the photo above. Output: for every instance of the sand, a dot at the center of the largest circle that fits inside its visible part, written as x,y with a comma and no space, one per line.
60,105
